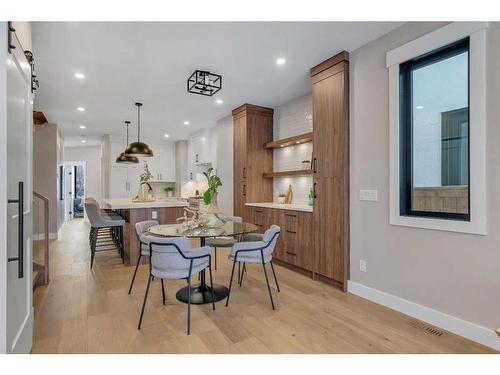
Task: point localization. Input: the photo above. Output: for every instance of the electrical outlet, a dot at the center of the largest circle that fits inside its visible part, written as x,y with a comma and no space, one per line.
154,214
368,195
362,265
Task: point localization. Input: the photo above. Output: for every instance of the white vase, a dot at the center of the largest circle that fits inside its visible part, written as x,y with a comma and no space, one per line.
281,200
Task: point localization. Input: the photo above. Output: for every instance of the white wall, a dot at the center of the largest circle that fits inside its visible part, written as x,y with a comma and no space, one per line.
293,118
457,274
224,163
92,156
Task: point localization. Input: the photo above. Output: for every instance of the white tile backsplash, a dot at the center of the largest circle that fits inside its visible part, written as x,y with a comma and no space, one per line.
293,118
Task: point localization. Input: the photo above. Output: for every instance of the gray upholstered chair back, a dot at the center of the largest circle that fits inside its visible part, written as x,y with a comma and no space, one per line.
142,226
93,214
270,237
167,258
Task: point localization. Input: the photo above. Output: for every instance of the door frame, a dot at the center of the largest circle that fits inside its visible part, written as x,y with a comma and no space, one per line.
69,166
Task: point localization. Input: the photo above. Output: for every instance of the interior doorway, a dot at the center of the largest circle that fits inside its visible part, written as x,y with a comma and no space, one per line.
75,186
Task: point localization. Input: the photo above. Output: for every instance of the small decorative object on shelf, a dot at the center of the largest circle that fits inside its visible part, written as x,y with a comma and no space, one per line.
144,187
289,195
306,164
281,198
311,197
170,191
204,83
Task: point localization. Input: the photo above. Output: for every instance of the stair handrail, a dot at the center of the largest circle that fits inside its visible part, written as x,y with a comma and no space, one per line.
46,234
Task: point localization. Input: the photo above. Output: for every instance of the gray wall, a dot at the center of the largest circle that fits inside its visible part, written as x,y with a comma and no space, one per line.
458,274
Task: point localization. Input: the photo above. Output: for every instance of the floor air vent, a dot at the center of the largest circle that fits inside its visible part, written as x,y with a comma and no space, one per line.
426,327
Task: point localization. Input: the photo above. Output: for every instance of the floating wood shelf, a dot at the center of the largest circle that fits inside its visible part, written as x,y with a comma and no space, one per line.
303,172
291,141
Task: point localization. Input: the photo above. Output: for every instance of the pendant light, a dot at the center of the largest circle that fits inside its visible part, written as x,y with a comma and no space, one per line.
124,158
138,148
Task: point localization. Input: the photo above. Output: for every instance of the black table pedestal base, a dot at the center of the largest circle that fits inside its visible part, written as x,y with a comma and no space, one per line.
201,294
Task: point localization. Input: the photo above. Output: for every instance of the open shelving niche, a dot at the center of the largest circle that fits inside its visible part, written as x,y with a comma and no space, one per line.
287,142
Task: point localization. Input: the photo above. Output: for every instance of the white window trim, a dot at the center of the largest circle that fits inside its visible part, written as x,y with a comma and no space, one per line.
477,106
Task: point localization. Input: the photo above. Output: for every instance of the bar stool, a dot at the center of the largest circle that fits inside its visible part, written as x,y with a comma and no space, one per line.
144,238
100,223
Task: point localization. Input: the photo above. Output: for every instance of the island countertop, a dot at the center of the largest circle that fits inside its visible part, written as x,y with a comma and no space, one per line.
127,203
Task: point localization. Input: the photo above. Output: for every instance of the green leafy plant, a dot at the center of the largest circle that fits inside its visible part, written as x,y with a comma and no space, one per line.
306,161
146,174
311,194
169,189
282,195
213,183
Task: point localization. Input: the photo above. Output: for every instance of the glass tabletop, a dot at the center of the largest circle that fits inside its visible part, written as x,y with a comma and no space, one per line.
228,228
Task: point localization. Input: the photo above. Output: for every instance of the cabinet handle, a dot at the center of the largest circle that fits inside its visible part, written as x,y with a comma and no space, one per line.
315,161
314,190
259,211
196,157
290,231
244,190
290,253
244,172
190,175
290,215
20,234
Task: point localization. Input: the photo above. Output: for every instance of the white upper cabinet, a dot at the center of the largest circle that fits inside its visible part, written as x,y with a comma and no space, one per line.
162,164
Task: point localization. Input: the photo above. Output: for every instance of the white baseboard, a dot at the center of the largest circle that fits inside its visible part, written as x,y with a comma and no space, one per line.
41,236
458,326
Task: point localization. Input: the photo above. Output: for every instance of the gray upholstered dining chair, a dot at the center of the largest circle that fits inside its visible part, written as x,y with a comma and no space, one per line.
100,221
144,238
257,252
173,258
227,241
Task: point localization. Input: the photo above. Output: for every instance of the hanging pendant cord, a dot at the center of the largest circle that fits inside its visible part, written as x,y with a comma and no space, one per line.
127,123
138,122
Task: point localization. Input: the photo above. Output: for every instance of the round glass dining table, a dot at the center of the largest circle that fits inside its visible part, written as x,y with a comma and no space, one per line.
201,294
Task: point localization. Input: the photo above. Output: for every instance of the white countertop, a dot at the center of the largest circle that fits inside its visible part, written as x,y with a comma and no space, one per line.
124,203
293,207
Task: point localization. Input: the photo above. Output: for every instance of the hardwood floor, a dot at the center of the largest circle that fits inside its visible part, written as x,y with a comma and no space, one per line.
83,311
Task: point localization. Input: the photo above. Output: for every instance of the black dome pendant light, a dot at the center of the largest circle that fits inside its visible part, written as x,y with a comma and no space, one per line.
138,148
124,158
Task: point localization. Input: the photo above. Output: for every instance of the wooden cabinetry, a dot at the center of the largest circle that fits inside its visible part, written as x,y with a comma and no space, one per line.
295,243
253,128
330,93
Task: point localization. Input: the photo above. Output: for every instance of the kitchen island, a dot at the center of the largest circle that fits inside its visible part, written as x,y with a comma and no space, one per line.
164,210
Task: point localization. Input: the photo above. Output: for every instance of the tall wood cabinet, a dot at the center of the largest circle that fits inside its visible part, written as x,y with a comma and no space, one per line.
253,128
330,95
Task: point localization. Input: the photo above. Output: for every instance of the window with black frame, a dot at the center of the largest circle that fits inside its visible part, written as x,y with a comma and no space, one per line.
434,130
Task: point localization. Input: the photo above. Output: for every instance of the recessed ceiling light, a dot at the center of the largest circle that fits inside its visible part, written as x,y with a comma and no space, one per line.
297,142
420,107
84,141
83,127
186,122
79,75
219,101
281,61
167,135
81,109
282,146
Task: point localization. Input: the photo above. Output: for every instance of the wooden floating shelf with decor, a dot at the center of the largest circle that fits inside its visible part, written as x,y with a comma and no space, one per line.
303,172
291,141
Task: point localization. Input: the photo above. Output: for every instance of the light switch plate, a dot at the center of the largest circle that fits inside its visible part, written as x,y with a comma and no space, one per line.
362,265
154,214
368,195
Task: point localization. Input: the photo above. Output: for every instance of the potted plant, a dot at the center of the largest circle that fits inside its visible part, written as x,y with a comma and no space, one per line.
213,182
311,197
170,191
281,198
306,164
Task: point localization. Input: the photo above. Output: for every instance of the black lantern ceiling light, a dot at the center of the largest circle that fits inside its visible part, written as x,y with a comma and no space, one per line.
138,148
204,83
124,158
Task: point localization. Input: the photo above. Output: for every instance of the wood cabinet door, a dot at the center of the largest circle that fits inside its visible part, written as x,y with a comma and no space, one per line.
329,227
305,245
239,160
330,125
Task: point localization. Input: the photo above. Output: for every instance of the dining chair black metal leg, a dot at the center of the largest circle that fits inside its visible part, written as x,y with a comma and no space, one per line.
242,274
230,284
144,302
189,307
215,252
267,280
211,285
92,248
239,271
275,278
163,291
135,272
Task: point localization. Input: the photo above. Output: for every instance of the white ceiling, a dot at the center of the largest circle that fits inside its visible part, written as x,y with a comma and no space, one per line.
150,62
